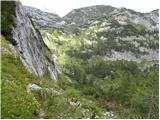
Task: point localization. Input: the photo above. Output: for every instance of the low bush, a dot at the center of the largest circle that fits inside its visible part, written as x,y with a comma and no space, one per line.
7,14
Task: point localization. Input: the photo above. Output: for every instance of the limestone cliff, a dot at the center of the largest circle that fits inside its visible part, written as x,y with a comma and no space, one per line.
29,46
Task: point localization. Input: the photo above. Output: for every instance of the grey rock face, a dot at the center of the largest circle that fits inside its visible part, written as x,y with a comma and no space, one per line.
149,20
43,19
154,15
31,87
129,56
30,46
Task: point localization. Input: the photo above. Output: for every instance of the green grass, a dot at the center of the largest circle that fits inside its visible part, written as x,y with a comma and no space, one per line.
128,94
15,101
5,43
100,85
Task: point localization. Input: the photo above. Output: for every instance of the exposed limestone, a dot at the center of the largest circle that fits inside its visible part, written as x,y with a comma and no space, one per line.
43,19
31,87
30,46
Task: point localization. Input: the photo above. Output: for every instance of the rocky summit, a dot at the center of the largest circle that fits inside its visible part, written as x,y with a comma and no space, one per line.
97,62
44,20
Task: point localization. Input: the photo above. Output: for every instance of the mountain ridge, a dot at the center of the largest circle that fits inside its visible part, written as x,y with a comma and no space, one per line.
63,20
103,65
113,25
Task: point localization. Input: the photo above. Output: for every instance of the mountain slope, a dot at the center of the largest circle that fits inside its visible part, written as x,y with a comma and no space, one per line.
27,69
44,20
87,14
29,45
107,65
110,58
118,34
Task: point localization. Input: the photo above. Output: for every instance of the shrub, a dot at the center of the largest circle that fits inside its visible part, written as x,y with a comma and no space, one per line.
72,92
16,102
7,13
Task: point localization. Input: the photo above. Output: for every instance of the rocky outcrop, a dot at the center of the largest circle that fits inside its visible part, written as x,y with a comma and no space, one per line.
31,87
30,47
44,20
149,20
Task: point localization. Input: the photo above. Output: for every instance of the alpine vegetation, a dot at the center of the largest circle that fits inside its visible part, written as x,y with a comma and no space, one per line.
97,62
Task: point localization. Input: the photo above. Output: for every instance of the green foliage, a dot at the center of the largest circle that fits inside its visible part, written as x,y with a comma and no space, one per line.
79,18
99,84
72,29
94,91
75,70
7,14
137,94
5,43
133,29
72,92
124,83
65,81
120,86
16,102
